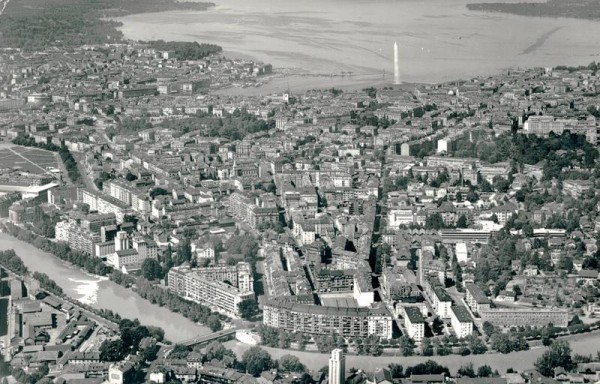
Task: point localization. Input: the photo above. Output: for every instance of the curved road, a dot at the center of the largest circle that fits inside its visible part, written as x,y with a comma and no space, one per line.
584,344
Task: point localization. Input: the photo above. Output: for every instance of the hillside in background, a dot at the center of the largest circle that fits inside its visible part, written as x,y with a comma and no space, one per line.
579,9
35,24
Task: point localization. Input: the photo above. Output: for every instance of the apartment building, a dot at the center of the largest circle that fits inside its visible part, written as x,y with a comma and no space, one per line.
461,320
344,321
576,188
219,295
240,275
476,299
254,210
544,125
78,238
525,317
105,204
146,248
95,222
414,323
438,298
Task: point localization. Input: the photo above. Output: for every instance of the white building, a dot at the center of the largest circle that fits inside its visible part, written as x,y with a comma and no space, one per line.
147,249
460,250
337,367
461,321
414,323
439,299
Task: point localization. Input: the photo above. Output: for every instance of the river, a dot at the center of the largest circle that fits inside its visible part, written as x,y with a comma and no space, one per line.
585,344
101,293
439,40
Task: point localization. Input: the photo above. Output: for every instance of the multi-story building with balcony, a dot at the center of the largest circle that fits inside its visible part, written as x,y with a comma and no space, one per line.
525,317
79,238
321,320
240,275
219,295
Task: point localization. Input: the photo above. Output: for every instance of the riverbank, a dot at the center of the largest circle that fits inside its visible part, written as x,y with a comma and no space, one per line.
101,293
584,344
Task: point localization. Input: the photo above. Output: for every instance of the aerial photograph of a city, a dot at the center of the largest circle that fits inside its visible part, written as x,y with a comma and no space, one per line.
300,192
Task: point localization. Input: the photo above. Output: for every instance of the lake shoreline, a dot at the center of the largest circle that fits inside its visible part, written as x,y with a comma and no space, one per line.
351,46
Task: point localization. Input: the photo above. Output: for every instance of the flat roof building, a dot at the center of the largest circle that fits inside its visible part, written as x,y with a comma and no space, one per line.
315,319
414,323
461,321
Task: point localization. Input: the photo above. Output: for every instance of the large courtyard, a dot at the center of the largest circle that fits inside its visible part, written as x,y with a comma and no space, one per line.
32,160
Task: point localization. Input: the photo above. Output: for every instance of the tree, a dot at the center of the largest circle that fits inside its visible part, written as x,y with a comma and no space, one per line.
248,309
443,349
437,326
494,218
429,367
434,221
217,351
112,350
488,328
466,370
256,360
501,343
462,222
290,363
426,347
214,323
180,351
501,184
131,335
395,370
148,348
472,196
325,370
151,269
557,355
382,257
42,371
184,252
527,230
158,192
130,176
517,290
476,345
406,345
485,371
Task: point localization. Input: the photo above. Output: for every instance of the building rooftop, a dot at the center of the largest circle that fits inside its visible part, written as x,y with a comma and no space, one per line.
477,293
414,315
461,313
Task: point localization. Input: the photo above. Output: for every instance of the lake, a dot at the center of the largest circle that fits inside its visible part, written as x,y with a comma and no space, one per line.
439,40
101,293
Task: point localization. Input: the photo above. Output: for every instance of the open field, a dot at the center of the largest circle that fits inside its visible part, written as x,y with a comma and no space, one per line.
26,159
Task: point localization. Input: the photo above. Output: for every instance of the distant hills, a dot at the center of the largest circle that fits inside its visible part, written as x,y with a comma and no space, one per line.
580,9
21,8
